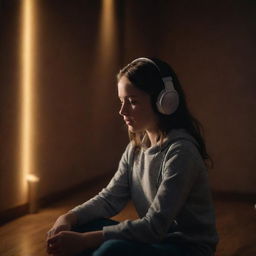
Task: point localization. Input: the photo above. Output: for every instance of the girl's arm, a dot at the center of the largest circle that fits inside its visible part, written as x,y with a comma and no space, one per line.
111,199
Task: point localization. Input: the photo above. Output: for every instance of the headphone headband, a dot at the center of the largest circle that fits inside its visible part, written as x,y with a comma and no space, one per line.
168,83
168,99
147,60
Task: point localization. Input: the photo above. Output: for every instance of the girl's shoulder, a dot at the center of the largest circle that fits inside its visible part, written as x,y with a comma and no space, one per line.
181,142
183,153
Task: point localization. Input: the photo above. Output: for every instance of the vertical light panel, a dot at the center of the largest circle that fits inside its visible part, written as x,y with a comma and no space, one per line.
107,31
27,81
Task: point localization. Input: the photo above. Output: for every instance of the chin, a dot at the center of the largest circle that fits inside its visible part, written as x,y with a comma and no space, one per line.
134,129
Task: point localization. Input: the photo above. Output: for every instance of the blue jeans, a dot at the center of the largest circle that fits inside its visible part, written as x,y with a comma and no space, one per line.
116,247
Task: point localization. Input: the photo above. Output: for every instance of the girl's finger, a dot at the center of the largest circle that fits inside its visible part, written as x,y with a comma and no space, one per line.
54,249
49,234
53,239
55,243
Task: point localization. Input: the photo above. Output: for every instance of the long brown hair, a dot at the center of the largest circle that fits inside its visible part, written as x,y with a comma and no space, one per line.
148,78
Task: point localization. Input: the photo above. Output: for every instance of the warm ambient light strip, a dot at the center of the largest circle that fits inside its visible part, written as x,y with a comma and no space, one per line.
27,81
107,29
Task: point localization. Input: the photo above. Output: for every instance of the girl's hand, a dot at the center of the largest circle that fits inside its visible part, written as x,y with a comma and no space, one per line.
63,223
58,228
66,243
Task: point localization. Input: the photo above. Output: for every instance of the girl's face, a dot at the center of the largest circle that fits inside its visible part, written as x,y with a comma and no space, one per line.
136,107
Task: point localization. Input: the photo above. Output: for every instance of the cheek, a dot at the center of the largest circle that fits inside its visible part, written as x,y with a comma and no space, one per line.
148,111
139,113
144,116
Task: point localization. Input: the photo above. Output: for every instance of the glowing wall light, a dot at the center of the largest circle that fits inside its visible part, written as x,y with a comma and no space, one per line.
107,32
103,63
27,81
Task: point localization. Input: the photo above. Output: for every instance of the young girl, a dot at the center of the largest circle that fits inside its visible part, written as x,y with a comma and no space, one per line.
163,171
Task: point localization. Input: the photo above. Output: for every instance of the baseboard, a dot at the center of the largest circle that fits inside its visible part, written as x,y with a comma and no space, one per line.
21,210
13,213
234,196
54,197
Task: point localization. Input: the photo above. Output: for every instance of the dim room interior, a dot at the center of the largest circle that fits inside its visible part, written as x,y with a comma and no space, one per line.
61,135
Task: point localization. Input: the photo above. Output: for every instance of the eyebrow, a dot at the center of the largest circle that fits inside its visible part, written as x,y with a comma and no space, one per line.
129,96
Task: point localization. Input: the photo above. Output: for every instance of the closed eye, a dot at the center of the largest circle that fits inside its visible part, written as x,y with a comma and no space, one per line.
129,100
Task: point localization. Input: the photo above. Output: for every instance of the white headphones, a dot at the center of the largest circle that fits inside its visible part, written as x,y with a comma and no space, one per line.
168,99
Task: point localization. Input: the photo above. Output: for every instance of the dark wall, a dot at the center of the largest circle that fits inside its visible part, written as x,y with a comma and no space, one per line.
78,51
76,93
10,176
75,113
210,44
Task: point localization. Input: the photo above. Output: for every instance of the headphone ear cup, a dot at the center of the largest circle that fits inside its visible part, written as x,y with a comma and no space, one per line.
167,102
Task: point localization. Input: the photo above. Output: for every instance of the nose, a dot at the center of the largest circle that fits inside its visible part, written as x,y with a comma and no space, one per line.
123,110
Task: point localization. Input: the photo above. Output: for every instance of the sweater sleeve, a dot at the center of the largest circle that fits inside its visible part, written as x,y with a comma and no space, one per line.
180,171
111,199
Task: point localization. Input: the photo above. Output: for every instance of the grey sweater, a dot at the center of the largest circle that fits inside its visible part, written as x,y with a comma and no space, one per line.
168,185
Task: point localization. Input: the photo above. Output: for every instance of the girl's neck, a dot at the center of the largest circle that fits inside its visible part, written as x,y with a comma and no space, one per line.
153,137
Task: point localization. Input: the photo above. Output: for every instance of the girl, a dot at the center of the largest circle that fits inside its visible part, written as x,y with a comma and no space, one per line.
163,171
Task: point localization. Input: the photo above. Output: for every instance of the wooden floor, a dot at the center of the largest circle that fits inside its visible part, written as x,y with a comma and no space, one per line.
25,236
